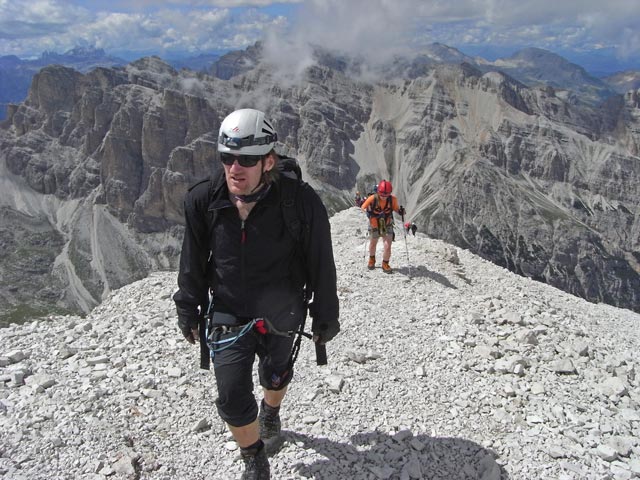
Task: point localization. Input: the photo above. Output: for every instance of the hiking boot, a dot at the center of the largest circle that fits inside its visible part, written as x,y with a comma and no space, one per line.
386,268
269,419
372,263
256,464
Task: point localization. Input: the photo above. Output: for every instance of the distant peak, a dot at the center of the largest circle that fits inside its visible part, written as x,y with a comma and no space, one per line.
85,51
76,52
153,63
537,53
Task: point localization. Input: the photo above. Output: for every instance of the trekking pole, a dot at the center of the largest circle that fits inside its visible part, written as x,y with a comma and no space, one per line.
321,354
406,246
366,237
365,247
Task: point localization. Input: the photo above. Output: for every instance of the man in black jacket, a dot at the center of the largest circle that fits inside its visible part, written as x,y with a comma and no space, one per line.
251,267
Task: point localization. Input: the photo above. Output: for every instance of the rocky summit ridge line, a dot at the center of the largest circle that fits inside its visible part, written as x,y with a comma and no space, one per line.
458,369
94,167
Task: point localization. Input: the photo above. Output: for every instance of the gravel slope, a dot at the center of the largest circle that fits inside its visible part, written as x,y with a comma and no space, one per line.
449,368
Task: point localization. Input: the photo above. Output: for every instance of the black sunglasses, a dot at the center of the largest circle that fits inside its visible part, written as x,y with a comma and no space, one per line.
243,160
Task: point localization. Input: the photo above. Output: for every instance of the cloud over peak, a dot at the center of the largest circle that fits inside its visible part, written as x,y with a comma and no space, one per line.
371,28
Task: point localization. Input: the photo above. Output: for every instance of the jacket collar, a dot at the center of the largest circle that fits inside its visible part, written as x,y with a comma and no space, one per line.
220,198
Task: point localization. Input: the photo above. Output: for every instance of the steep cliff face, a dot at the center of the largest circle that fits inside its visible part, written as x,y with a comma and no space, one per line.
112,152
102,145
541,185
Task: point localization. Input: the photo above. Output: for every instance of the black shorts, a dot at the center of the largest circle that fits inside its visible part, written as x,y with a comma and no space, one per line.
233,368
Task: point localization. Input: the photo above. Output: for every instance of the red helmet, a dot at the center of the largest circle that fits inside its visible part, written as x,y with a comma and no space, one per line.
385,188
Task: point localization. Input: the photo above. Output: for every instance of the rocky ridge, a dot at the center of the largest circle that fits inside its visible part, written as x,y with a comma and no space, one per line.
535,66
460,369
624,82
16,74
525,176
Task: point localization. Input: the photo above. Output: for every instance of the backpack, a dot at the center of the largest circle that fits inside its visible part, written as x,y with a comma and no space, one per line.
298,228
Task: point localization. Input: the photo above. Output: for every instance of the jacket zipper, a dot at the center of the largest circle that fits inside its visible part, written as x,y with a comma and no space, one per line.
243,239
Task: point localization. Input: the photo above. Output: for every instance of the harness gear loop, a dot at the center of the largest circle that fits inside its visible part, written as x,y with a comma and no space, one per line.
220,345
382,226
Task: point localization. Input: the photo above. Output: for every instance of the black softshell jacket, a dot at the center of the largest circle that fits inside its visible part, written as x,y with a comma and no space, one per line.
254,270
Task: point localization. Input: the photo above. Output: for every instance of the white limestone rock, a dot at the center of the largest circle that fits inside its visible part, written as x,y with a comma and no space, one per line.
379,412
606,452
14,356
563,366
335,383
40,381
613,386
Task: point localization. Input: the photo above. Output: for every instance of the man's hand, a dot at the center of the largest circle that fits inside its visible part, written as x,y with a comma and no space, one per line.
189,329
191,335
323,332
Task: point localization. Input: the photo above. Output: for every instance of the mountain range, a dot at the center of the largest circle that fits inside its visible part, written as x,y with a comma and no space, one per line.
16,73
528,65
532,163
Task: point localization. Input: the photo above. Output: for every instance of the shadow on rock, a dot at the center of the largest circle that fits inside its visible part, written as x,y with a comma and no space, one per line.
423,272
376,455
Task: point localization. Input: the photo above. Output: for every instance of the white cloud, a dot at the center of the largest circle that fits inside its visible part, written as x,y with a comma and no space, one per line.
19,19
160,31
375,25
209,3
374,28
574,24
631,43
239,3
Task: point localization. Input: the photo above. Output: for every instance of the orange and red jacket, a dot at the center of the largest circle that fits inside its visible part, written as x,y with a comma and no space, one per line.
377,207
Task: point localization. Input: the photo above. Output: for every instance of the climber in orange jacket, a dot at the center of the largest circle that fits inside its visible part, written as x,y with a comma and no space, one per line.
379,207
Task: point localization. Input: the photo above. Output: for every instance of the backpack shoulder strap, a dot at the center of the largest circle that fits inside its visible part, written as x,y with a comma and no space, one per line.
290,211
388,207
293,213
215,182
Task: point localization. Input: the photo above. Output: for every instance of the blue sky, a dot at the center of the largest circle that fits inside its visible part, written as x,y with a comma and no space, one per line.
376,28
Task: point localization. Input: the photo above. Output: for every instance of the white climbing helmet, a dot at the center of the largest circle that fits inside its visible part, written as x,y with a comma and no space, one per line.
246,132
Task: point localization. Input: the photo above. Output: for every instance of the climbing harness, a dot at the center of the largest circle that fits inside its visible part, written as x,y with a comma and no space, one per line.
216,346
382,215
262,326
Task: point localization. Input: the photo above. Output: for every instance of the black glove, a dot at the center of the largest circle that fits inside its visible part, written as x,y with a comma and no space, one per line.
187,326
325,331
401,211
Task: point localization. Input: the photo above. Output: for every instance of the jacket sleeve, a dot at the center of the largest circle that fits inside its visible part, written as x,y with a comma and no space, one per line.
321,268
192,296
367,203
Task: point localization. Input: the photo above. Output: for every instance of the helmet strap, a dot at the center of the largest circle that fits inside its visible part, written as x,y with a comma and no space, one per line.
253,197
